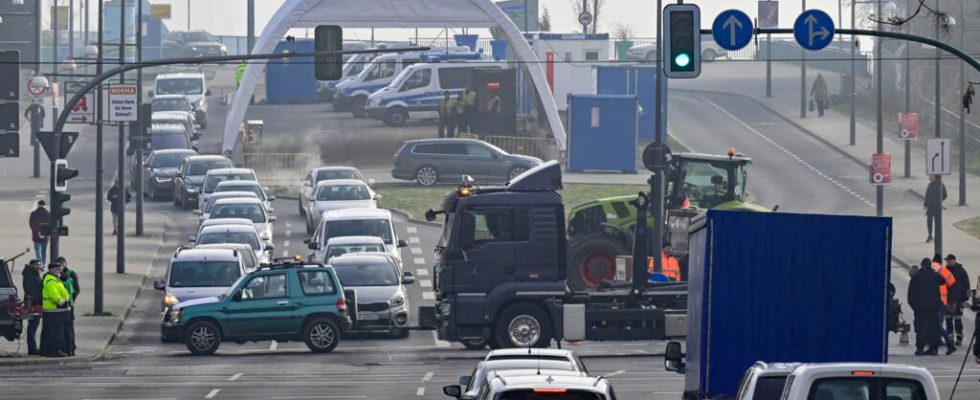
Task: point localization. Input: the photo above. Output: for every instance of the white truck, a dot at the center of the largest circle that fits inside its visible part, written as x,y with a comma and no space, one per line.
833,381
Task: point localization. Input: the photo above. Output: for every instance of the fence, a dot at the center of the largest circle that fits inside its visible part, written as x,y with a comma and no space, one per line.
280,169
530,146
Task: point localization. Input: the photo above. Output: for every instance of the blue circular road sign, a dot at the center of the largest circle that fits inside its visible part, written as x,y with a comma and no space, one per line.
813,29
732,30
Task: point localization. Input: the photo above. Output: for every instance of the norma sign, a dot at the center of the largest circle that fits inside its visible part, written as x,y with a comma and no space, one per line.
910,126
881,169
84,110
122,103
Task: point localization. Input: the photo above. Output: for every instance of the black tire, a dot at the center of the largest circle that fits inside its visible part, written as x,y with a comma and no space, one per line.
357,106
321,335
524,320
396,116
475,344
339,106
399,333
591,258
427,175
202,338
514,172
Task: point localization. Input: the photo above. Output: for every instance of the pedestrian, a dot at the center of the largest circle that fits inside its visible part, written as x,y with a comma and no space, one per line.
55,304
39,216
947,280
239,73
819,93
975,306
935,194
469,108
116,197
669,266
33,295
447,109
958,295
923,297
70,279
460,114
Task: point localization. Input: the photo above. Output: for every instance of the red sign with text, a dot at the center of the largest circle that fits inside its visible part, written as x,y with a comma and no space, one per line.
910,126
881,169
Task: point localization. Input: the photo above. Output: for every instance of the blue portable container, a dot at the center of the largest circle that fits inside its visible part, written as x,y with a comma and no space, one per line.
602,133
291,80
637,81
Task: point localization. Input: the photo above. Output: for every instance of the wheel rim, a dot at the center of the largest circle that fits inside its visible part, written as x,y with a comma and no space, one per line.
202,338
596,267
524,330
516,172
397,118
322,335
426,176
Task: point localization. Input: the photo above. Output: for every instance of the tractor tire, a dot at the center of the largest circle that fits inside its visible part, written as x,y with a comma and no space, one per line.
593,259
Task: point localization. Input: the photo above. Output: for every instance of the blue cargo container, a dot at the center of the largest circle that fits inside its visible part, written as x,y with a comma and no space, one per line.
635,81
291,80
602,133
781,287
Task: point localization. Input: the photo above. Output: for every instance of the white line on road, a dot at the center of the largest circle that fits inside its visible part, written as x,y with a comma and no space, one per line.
212,393
318,397
285,253
439,343
420,392
413,239
428,296
422,272
412,229
419,260
416,250
274,345
428,376
285,243
235,377
288,225
614,373
425,283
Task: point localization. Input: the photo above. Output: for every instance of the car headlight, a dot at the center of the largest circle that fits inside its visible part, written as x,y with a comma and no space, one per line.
396,301
175,315
194,48
224,49
162,179
193,189
170,300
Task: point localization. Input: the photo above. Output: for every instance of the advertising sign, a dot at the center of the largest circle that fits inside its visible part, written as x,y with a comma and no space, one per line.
122,103
881,169
910,125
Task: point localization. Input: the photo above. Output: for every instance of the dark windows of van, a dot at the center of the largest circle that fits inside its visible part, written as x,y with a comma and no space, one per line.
441,149
454,78
382,69
592,56
419,79
486,225
769,387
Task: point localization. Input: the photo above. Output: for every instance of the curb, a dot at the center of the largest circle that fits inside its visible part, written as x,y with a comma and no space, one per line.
31,361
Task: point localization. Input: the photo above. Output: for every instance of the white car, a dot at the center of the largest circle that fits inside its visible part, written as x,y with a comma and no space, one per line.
206,213
193,86
199,273
648,52
247,186
216,176
871,381
338,194
471,384
358,222
251,209
532,384
236,234
339,246
764,380
223,221
316,175
244,251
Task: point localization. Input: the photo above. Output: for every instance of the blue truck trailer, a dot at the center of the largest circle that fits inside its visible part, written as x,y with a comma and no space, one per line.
781,287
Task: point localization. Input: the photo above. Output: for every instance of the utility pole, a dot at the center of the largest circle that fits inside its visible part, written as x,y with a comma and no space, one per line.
962,116
37,71
853,88
803,75
138,127
657,180
585,8
938,239
188,15
880,144
53,248
251,25
85,29
99,204
71,29
121,173
908,92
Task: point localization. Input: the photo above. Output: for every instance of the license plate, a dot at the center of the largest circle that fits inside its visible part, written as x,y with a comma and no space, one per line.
367,316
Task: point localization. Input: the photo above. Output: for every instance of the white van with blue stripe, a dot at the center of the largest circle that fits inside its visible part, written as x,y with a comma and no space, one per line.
418,90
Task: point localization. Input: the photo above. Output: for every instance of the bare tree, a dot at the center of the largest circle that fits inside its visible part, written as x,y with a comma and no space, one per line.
594,7
545,24
622,32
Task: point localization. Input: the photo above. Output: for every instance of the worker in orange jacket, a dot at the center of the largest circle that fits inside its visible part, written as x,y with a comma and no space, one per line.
948,281
671,268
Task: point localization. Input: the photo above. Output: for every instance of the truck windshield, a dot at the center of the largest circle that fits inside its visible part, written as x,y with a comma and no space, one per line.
204,273
706,184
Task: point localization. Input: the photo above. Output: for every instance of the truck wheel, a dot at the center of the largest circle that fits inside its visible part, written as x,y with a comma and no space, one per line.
203,338
321,335
522,326
477,344
396,116
357,107
592,259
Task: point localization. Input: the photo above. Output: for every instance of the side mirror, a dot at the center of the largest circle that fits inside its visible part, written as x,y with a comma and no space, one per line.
495,154
313,245
402,243
370,181
674,358
464,380
159,284
454,391
269,247
377,197
430,215
408,278
307,183
198,212
271,197
150,94
207,92
273,218
195,136
191,239
237,296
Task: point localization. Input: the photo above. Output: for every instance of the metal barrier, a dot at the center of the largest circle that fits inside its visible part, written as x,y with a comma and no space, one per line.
280,168
529,146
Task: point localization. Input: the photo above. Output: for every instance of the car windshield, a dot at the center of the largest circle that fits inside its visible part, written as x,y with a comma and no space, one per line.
214,180
337,174
165,141
174,104
358,227
198,37
531,394
180,86
202,167
203,273
342,193
250,211
367,274
169,160
241,188
337,250
248,238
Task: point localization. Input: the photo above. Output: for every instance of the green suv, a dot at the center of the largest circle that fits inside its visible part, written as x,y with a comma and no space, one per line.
281,302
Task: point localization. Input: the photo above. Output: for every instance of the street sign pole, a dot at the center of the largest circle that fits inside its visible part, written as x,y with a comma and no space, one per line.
938,242
99,233
657,181
121,167
37,71
908,93
853,89
137,128
880,144
962,145
53,247
803,76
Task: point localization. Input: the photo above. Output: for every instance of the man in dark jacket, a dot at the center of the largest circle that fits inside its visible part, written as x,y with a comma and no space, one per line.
117,198
957,297
39,216
70,279
33,295
935,194
923,297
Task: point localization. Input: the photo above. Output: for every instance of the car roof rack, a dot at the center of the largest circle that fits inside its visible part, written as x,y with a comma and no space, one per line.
287,262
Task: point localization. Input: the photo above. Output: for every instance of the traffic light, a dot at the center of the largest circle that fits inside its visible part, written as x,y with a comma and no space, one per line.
682,49
9,104
58,209
328,38
62,174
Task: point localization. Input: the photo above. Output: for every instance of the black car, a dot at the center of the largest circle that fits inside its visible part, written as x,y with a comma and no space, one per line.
190,176
429,161
192,44
159,169
10,321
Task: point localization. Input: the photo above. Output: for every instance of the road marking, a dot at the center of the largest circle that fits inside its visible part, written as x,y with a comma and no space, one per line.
318,397
285,243
419,260
413,239
235,377
288,225
422,272
614,373
285,253
416,250
428,376
420,392
425,283
789,153
428,296
212,393
439,343
274,345
412,229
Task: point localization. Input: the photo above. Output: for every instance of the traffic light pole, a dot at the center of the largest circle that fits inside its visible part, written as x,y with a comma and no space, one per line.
99,173
37,70
54,221
657,180
121,172
138,127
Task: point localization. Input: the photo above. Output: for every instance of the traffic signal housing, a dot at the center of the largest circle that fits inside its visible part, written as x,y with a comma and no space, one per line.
328,38
682,47
62,174
58,201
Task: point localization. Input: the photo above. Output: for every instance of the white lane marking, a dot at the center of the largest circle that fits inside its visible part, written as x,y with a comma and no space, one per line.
420,392
422,272
285,243
416,250
317,397
274,345
428,296
413,239
439,343
288,225
235,377
789,153
419,260
428,376
425,283
212,393
412,229
614,373
285,253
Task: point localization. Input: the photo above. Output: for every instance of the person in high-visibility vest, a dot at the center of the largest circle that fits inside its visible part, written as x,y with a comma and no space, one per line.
239,73
668,263
56,307
948,280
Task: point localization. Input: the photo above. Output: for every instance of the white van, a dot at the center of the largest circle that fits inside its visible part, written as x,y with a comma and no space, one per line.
194,88
358,222
417,91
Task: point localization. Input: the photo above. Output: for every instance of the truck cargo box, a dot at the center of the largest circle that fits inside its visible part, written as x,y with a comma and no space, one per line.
782,287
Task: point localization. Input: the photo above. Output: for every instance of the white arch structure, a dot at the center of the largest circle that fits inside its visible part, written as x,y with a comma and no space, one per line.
388,14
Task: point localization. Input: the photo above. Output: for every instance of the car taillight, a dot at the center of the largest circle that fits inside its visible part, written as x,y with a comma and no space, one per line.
550,390
342,304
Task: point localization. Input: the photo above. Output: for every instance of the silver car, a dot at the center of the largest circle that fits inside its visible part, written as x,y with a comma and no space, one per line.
382,301
430,161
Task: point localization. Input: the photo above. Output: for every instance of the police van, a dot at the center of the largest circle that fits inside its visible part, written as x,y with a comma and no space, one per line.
417,91
353,65
353,93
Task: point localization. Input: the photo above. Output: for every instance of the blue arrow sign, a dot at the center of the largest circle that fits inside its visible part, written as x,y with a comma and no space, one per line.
813,29
732,30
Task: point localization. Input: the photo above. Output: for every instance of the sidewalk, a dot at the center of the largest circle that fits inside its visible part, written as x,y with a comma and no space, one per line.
748,79
93,334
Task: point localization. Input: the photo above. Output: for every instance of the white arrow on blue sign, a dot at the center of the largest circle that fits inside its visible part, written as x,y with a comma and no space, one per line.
813,29
732,30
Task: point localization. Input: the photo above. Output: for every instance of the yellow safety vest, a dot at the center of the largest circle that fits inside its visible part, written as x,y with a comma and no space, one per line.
54,292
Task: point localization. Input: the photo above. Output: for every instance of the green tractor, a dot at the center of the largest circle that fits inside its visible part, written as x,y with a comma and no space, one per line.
600,230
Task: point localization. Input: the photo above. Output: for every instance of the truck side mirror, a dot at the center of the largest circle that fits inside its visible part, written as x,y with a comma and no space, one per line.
674,358
207,92
430,215
159,284
454,391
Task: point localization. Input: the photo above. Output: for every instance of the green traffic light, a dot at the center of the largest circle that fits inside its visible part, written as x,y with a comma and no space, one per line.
682,60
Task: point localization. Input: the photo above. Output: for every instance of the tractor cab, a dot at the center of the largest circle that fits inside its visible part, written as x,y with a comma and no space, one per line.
707,181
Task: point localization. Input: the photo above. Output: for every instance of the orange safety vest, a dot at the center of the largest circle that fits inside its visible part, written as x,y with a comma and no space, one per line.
950,280
671,268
